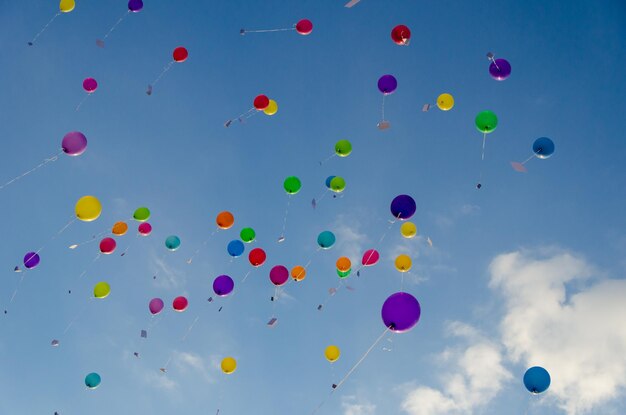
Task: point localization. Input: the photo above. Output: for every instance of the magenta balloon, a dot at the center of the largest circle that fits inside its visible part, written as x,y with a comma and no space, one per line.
135,5
156,305
400,312
279,275
107,246
144,228
223,285
90,85
31,260
500,69
180,304
74,143
370,257
387,84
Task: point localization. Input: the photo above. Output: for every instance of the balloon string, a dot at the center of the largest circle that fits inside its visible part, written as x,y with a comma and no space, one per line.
244,31
190,260
169,359
528,159
71,323
282,235
116,24
37,167
383,109
246,276
32,42
484,140
242,117
327,158
380,241
165,69
88,241
81,102
493,60
320,197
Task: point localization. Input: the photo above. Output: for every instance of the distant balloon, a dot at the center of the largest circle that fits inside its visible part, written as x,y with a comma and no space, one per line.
387,84
225,220
144,229
543,147
142,214
343,264
338,184
101,290
304,27
403,263
92,380
445,102
403,207
90,85
401,35
343,148
329,179
88,208
408,230
332,353
247,235
536,379
180,304
400,312
31,260
172,242
107,246
235,248
370,257
74,143
326,239
292,185
180,54
486,122
66,6
261,102
298,273
499,69
344,274
257,257
119,228
229,365
156,306
135,5
279,275
272,108
223,285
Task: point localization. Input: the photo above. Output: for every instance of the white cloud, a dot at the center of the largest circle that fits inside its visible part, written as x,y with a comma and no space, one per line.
350,240
353,406
167,277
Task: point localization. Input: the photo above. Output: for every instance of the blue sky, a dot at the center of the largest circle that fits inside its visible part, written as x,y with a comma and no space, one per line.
527,271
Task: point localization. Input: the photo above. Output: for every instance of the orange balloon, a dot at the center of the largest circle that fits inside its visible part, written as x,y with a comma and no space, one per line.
120,228
298,273
343,264
225,220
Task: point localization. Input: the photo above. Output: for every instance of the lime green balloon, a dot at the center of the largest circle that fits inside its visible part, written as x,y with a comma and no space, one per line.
142,214
292,185
343,148
101,290
486,122
247,235
344,274
337,184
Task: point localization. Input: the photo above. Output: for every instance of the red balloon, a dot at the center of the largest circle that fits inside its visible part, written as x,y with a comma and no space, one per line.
180,54
257,257
180,304
261,102
401,35
304,27
107,246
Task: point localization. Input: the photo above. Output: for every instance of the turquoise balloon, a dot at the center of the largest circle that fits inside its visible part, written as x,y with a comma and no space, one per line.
172,242
326,239
92,380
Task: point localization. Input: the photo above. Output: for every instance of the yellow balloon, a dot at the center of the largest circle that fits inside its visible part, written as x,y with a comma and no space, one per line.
272,108
445,102
408,230
332,353
403,263
101,290
67,6
88,208
229,365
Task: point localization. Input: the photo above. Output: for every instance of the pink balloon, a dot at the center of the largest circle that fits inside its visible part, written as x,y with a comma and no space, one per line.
370,257
156,305
107,246
144,228
90,85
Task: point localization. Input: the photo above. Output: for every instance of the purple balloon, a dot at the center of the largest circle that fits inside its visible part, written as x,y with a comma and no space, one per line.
500,69
279,275
90,85
135,5
400,312
223,285
403,207
387,84
31,260
74,143
156,305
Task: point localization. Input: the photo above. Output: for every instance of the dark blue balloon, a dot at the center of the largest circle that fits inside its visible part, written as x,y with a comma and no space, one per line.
235,248
536,379
387,84
328,180
403,207
543,147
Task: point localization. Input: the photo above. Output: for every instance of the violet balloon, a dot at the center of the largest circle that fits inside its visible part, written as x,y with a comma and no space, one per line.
400,312
387,84
156,305
279,275
135,5
500,69
90,85
31,260
223,285
403,207
74,143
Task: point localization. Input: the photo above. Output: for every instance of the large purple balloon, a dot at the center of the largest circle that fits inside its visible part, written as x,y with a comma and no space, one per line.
500,69
403,207
387,84
90,85
223,285
74,143
279,275
156,305
400,312
135,5
31,260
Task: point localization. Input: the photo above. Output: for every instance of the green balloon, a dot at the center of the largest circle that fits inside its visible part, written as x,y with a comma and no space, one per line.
247,235
292,185
142,214
337,184
344,274
343,148
486,122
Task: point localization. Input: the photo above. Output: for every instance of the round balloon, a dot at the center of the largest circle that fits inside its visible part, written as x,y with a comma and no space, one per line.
247,235
144,229
401,35
180,304
119,228
337,184
445,102
279,275
370,257
292,185
142,214
332,353
326,239
229,365
223,285
387,84
500,69
328,180
135,5
344,274
101,290
403,207
400,312
88,208
343,264
257,257
90,85
31,260
304,27
66,6
272,108
225,220
180,54
156,306
107,246
343,148
408,230
261,102
543,147
74,143
403,263
298,273
172,242
235,248
486,122
536,379
92,380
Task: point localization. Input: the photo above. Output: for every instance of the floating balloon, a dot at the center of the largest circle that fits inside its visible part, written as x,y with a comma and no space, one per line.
403,263
344,274
408,230
74,143
387,84
343,148
257,257
403,207
92,380
142,214
536,379
172,242
445,102
88,208
298,273
90,85
156,306
101,290
328,180
247,235
332,353
292,185
400,312
144,229
31,260
337,184
119,228
135,5
107,246
179,55
223,285
66,6
235,248
326,239
370,257
279,275
272,108
303,27
261,102
343,264
229,365
499,69
543,148
486,122
401,35
225,220
180,304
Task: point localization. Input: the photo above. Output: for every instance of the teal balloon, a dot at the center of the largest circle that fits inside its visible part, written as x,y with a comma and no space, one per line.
172,242
326,239
92,380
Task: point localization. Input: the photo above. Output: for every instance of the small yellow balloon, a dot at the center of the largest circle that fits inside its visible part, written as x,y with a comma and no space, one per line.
229,365
88,208
272,108
403,263
67,6
332,353
445,102
101,290
408,230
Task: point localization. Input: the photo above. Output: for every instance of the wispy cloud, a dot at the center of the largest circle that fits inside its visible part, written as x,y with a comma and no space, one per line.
350,239
351,405
448,219
167,276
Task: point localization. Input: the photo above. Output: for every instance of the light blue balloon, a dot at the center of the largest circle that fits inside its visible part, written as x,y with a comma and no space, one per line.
536,379
92,380
326,239
235,248
172,242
